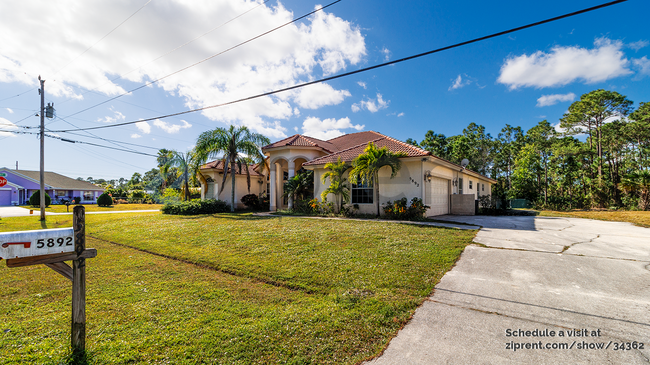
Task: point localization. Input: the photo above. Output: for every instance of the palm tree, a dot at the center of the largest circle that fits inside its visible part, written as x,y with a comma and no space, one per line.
365,167
300,186
237,146
639,181
164,158
337,186
185,162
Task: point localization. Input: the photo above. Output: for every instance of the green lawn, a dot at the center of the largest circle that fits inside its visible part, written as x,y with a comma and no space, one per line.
639,218
249,290
96,208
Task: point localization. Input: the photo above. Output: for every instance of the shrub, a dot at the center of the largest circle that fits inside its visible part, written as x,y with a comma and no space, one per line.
251,201
197,206
105,200
137,196
35,199
76,199
120,201
400,211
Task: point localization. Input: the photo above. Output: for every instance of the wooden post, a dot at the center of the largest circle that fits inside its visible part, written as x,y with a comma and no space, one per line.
79,282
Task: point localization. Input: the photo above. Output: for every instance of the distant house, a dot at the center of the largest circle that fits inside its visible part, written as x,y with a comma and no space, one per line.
447,188
21,184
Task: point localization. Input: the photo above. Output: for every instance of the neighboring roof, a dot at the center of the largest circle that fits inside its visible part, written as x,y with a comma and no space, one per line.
218,165
56,181
350,153
298,140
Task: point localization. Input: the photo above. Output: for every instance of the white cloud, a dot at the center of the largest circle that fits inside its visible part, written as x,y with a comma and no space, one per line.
386,52
171,128
135,135
563,65
10,111
638,45
7,126
144,127
319,95
362,84
400,114
459,83
328,128
643,65
117,116
371,105
548,100
322,44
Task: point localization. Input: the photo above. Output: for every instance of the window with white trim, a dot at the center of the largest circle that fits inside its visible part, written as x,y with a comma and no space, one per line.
362,193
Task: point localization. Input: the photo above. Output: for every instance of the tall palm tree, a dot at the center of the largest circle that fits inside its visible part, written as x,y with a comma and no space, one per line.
186,163
365,167
164,164
337,186
236,146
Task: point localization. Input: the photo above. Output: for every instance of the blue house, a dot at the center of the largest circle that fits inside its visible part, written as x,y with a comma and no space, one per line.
21,184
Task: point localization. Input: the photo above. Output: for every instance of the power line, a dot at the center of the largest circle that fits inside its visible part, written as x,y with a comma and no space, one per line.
175,49
81,142
111,140
360,70
102,38
208,58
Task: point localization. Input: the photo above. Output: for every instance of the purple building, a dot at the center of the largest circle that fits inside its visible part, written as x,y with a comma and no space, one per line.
21,184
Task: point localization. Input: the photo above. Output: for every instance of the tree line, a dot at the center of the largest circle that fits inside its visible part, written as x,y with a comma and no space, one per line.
600,158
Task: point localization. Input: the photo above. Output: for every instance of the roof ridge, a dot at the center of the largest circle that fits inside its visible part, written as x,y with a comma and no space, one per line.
410,145
349,148
349,134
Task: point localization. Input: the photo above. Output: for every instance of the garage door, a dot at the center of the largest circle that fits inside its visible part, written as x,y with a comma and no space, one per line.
5,197
439,193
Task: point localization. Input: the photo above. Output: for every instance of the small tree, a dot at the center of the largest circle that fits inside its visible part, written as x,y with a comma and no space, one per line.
365,167
337,186
105,200
35,199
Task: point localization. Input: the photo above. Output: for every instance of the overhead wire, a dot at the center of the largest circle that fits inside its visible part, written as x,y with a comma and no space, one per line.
208,58
80,142
456,45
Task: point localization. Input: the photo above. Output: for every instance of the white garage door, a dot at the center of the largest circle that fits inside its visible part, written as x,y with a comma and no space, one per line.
439,194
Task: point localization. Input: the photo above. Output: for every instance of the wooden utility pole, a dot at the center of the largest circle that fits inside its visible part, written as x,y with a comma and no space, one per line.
42,136
79,282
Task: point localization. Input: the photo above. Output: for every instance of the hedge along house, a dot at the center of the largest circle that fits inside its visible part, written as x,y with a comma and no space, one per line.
447,188
21,184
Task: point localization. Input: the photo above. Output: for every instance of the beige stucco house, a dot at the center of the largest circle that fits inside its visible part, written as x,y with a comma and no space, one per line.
444,186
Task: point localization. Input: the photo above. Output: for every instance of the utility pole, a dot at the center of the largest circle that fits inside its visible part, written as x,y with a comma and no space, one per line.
42,135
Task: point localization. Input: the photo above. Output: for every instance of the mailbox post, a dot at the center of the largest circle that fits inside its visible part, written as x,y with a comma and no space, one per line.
52,247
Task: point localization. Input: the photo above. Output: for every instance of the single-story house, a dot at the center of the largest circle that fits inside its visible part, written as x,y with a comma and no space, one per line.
447,188
21,184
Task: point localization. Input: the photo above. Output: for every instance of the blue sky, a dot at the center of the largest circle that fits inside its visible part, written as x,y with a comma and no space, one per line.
519,79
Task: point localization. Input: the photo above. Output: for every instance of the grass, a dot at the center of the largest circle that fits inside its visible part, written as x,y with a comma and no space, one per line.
250,290
640,218
97,208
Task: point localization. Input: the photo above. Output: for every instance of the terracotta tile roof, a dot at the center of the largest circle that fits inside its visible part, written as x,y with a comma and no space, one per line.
354,139
218,165
57,181
303,141
350,153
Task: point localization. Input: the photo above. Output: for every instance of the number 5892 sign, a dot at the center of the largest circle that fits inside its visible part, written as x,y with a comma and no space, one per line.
36,243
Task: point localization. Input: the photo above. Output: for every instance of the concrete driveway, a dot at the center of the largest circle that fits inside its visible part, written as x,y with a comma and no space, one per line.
539,274
16,212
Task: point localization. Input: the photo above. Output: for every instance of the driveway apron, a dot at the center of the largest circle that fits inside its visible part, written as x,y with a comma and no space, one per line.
537,290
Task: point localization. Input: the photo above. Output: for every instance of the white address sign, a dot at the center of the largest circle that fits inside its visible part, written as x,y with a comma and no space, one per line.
36,243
